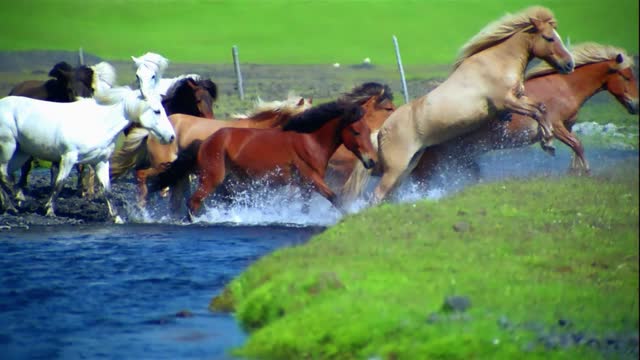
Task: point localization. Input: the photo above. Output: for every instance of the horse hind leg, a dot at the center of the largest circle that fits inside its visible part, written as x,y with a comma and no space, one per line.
398,155
579,164
7,151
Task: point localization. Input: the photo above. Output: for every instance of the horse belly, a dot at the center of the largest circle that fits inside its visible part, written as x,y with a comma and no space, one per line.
444,120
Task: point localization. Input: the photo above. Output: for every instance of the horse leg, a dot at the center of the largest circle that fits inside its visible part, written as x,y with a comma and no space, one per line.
8,148
178,193
578,164
102,172
141,180
86,181
210,176
54,170
317,183
24,176
66,164
524,106
399,153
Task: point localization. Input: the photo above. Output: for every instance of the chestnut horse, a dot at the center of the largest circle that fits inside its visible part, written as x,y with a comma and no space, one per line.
299,152
486,81
149,157
192,97
598,68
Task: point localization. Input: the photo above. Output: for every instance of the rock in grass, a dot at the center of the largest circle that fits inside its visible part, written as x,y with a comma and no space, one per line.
456,303
461,226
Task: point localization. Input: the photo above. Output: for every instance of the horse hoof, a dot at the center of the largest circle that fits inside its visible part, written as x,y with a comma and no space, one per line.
50,213
118,220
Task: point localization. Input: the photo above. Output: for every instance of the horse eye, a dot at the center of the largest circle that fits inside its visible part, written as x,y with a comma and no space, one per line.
549,39
157,112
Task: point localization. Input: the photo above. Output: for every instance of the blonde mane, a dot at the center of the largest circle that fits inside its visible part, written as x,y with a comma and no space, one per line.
583,54
152,60
501,29
286,107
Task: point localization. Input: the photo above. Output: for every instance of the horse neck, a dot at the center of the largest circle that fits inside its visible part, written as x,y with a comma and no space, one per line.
513,54
586,81
327,138
267,119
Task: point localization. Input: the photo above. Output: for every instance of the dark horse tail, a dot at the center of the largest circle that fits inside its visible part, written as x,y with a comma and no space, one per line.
183,166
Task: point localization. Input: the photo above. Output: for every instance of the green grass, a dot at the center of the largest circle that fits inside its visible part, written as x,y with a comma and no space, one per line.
292,32
535,251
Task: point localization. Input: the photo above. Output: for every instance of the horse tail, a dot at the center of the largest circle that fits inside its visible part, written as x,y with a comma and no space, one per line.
132,153
359,177
183,166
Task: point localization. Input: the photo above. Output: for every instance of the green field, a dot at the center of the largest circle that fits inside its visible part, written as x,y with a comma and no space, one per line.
291,32
547,264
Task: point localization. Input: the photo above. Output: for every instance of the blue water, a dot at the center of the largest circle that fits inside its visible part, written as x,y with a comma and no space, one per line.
117,292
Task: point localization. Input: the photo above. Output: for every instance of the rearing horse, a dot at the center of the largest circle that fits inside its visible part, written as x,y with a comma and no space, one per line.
598,68
487,80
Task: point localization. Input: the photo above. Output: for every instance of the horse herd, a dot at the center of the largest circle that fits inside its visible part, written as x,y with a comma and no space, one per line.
489,101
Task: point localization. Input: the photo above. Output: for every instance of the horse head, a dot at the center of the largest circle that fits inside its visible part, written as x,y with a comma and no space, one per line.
149,70
356,136
82,81
622,83
153,117
62,72
205,92
547,45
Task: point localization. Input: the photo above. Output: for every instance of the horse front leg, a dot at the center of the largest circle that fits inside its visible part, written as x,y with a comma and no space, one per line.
102,172
525,106
24,177
86,181
579,164
65,166
6,192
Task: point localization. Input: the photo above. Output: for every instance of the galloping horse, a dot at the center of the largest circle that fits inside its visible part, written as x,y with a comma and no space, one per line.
598,68
486,81
67,85
343,161
84,131
149,157
300,151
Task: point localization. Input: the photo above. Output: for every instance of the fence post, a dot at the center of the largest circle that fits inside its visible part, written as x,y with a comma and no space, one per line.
404,81
81,56
236,65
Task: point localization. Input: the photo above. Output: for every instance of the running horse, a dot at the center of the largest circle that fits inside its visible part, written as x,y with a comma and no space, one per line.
486,82
597,68
298,153
191,96
84,131
67,85
148,157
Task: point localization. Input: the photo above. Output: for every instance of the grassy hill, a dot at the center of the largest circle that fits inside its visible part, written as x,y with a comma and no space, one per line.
292,32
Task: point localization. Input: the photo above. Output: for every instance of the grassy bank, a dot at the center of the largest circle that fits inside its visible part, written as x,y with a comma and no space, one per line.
549,267
292,32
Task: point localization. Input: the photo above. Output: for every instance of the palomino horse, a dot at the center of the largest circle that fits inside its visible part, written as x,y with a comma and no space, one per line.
598,68
149,157
299,152
84,131
67,85
487,80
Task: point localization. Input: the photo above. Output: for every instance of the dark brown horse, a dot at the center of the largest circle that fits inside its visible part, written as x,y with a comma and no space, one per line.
299,152
191,97
67,84
598,68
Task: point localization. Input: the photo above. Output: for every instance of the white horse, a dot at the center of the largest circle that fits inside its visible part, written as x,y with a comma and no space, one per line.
82,132
149,70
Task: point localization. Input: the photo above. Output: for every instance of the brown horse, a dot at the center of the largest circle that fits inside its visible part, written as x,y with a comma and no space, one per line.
598,68
343,161
67,85
298,152
149,157
192,97
486,81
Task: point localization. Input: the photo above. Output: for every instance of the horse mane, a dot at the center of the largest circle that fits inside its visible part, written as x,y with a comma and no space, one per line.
160,62
360,94
61,70
311,120
583,54
289,106
103,72
502,29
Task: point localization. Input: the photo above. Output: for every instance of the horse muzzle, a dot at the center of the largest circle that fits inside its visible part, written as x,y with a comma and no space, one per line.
567,68
368,162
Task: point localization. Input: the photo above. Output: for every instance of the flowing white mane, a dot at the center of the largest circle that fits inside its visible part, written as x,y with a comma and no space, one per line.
134,104
156,62
104,77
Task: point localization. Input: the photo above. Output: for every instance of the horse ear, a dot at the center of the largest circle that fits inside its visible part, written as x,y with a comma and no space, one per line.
537,24
192,83
310,100
135,60
619,58
301,102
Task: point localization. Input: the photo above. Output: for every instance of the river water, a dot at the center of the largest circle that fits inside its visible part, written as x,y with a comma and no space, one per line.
141,290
